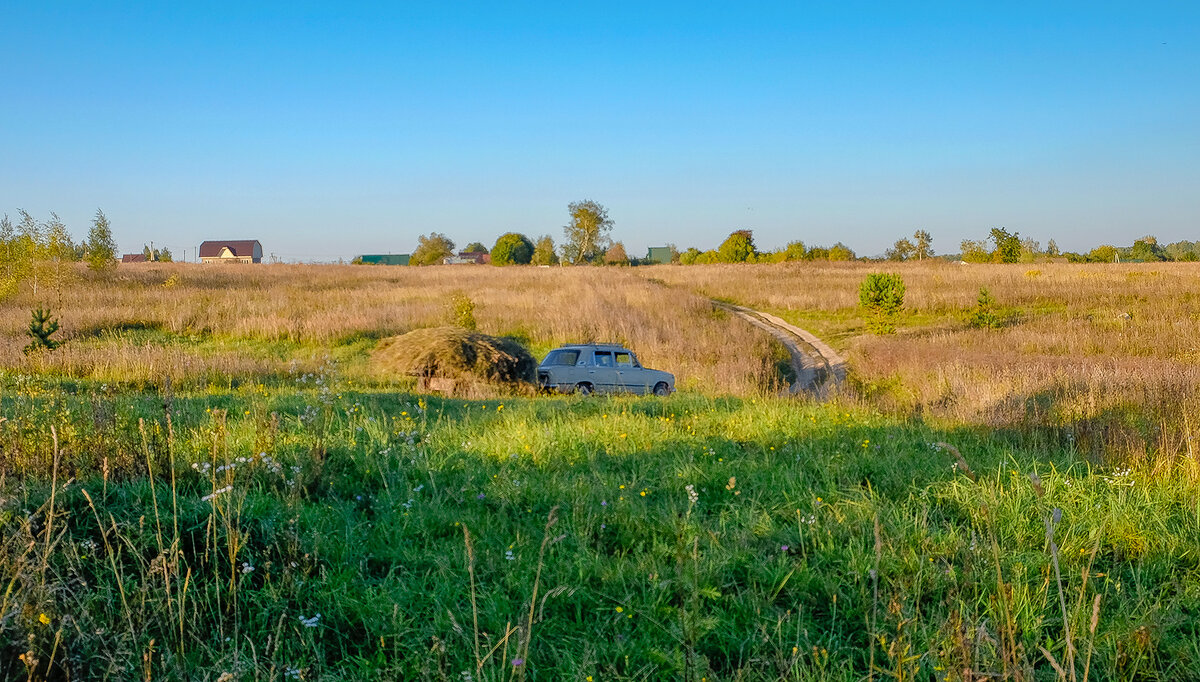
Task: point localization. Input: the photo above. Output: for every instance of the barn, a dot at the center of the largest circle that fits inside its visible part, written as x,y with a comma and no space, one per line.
232,251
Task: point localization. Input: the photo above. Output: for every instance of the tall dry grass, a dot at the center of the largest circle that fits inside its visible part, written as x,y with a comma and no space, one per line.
187,320
1110,352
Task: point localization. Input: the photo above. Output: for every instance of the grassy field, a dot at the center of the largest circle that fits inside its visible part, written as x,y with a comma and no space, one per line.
1107,354
280,511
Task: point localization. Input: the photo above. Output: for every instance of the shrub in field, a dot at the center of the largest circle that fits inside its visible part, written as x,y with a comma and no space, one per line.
881,296
512,249
462,310
984,314
454,353
41,328
737,248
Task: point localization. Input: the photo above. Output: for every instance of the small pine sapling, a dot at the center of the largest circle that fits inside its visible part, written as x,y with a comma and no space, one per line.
41,328
985,316
881,296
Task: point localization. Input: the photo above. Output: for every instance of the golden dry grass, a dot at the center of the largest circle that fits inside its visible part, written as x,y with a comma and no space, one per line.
1111,351
212,321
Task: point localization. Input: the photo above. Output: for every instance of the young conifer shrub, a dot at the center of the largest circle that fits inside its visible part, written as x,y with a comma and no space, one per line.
41,328
881,297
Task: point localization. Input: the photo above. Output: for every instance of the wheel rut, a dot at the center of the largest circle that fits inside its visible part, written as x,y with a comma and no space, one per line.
819,369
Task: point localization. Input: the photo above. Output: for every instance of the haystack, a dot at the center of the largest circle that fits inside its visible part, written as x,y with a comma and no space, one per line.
457,355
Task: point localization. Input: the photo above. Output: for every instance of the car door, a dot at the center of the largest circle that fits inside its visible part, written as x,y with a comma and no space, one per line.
603,372
629,375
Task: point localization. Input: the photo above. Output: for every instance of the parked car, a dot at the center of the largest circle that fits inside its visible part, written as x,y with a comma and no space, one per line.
601,368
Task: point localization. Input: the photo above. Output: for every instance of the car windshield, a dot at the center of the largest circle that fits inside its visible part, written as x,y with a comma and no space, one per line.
562,357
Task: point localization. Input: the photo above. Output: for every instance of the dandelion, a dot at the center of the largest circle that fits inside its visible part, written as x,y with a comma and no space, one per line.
620,609
44,619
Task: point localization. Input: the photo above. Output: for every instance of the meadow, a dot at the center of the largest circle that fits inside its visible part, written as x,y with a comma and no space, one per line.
211,481
1105,355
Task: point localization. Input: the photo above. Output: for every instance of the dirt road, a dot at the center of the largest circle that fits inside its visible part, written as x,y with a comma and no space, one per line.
819,369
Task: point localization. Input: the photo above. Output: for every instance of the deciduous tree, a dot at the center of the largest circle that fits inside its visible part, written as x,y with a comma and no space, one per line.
432,249
587,232
101,249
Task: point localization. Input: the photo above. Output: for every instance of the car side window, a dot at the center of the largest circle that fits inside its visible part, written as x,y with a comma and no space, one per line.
624,359
604,358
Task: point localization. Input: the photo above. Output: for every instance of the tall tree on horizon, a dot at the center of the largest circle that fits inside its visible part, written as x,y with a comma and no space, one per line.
586,236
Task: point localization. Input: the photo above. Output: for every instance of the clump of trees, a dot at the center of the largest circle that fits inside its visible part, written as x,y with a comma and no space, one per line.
40,253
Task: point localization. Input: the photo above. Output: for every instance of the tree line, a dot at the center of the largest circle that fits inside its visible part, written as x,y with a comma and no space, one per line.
39,253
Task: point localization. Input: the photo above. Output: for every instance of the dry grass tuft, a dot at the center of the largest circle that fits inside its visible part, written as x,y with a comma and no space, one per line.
456,353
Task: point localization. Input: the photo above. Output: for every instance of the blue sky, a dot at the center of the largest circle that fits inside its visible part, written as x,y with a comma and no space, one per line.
328,130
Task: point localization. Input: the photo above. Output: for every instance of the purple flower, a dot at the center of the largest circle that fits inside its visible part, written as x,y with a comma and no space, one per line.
517,662
784,548
480,496
603,503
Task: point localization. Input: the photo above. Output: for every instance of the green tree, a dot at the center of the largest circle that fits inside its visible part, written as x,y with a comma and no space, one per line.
902,250
586,235
476,247
543,252
1104,253
975,251
101,249
1052,249
689,257
432,249
164,256
794,251
923,246
512,248
1147,250
841,252
881,296
1008,246
738,247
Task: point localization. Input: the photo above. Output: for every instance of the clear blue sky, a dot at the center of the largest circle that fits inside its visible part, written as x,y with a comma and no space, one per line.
327,130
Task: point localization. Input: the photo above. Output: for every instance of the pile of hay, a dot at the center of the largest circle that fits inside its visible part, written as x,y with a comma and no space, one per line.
457,354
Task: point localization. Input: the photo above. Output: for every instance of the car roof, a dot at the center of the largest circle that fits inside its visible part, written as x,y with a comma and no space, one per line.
605,346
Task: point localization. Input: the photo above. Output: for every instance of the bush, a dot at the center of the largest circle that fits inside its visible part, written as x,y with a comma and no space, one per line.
512,249
41,328
881,296
461,311
454,353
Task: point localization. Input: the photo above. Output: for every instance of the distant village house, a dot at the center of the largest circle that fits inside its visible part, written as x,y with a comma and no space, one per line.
659,254
468,258
236,251
133,258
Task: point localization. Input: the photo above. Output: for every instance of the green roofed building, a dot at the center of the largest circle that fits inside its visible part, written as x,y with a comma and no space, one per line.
659,254
384,259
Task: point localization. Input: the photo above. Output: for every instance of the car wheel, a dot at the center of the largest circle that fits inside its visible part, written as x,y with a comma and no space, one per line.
662,390
583,389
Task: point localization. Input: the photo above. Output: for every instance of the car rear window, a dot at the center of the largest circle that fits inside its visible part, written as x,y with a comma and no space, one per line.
562,357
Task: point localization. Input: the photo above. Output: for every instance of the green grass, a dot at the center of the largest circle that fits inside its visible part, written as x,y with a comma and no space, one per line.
823,539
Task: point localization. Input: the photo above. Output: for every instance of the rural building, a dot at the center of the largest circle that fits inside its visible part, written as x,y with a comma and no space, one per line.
385,259
659,254
468,258
233,251
133,258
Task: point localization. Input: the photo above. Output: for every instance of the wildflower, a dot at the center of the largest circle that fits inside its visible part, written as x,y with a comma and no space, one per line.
693,496
620,609
215,493
603,503
517,662
784,548
643,493
247,567
480,496
44,619
310,622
